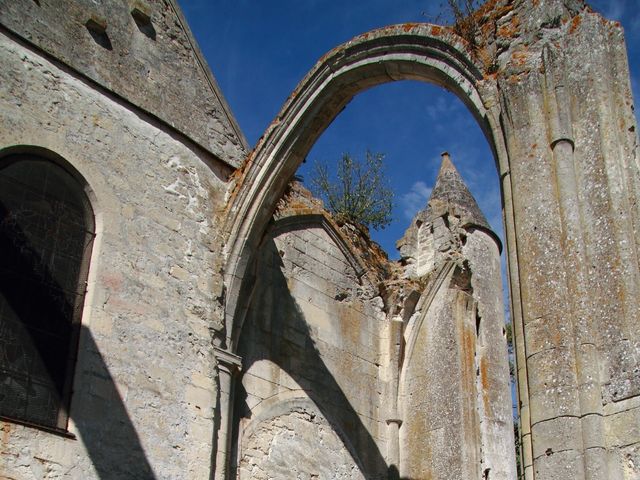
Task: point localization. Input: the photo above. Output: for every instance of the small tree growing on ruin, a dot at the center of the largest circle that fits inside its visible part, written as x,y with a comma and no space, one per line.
359,193
460,15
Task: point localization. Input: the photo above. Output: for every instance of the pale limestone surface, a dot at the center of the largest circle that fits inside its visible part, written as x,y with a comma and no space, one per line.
211,335
311,329
144,396
302,444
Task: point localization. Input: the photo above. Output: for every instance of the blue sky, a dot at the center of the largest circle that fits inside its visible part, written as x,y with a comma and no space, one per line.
259,51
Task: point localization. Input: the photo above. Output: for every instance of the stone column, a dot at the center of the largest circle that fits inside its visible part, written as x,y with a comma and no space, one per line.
567,118
393,421
571,214
228,365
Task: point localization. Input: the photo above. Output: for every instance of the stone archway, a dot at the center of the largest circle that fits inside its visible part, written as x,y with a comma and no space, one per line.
414,51
423,52
558,114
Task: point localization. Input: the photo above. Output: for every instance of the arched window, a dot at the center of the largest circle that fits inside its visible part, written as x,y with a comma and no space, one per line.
46,235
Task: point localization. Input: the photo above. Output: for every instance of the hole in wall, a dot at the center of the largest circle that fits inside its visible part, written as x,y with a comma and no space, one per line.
143,22
98,30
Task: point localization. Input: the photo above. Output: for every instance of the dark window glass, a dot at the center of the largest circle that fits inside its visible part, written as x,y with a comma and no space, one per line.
46,233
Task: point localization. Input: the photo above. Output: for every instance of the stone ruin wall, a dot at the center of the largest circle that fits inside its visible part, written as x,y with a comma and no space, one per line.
311,340
454,391
310,345
145,55
158,181
555,96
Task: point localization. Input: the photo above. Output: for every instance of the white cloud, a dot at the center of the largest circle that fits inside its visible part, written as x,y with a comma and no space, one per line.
415,199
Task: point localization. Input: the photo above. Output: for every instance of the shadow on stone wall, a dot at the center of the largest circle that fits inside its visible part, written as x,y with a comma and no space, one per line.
103,423
275,329
395,475
29,288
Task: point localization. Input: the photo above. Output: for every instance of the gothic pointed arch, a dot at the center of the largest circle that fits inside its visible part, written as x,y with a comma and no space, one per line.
411,51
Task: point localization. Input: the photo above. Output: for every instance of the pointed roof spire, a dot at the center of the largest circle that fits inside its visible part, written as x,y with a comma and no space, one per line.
451,193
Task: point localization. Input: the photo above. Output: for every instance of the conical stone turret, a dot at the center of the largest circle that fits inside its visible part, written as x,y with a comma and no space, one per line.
436,232
451,195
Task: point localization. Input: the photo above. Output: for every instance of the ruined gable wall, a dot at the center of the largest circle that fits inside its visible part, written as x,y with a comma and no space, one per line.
144,393
160,71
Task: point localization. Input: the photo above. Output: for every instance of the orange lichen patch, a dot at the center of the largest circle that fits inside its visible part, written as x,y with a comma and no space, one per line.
487,59
385,30
436,30
575,23
6,433
469,342
514,78
297,200
511,29
468,355
487,29
490,11
350,324
238,177
490,76
409,26
519,58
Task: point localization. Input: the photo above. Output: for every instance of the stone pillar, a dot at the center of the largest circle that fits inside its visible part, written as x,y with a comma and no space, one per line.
228,365
393,421
571,214
393,449
573,170
493,393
